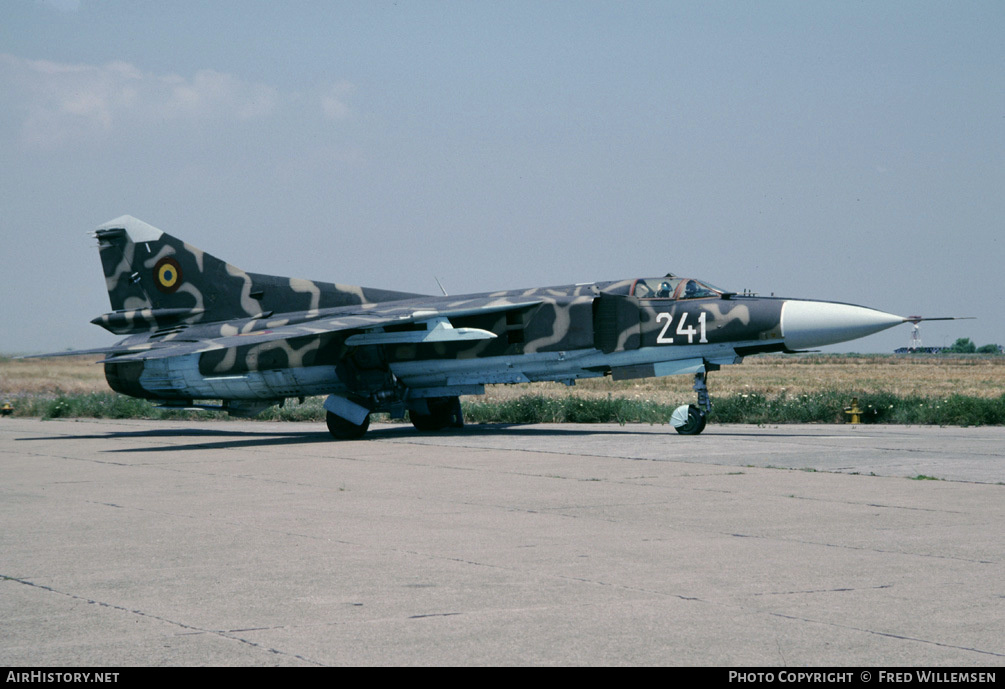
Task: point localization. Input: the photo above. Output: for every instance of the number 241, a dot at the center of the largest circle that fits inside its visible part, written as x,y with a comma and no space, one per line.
688,331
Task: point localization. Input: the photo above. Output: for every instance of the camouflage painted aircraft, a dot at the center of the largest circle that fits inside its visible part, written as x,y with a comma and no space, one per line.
199,329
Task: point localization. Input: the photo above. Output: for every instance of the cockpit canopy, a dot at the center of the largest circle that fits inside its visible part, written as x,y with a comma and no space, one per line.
671,287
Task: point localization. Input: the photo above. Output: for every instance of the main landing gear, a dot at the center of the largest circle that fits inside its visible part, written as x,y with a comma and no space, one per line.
440,413
341,429
429,414
690,419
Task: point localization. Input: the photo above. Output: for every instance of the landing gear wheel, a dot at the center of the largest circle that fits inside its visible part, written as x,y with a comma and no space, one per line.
443,412
695,423
427,422
346,430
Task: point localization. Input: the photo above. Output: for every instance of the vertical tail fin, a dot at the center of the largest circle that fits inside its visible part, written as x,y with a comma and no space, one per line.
154,280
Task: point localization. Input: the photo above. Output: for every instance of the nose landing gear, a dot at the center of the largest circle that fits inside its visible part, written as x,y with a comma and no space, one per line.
690,419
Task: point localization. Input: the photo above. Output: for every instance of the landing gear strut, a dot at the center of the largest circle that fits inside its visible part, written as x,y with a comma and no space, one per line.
691,419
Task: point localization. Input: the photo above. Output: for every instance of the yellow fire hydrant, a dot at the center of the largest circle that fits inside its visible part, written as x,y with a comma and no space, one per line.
853,411
6,409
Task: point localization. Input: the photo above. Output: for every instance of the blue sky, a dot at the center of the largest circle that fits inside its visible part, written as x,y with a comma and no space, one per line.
851,151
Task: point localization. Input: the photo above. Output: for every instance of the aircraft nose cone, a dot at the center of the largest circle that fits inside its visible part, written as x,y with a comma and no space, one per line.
817,323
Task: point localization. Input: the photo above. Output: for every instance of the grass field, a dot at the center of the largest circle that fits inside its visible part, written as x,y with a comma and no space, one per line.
772,376
966,389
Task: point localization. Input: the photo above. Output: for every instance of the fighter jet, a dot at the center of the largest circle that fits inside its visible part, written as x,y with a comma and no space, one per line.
202,333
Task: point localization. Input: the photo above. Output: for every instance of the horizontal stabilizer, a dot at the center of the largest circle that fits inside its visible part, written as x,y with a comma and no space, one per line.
107,351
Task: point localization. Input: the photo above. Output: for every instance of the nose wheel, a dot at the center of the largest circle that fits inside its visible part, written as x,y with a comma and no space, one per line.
690,419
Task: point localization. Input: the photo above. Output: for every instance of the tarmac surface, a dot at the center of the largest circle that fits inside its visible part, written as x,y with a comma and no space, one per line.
249,543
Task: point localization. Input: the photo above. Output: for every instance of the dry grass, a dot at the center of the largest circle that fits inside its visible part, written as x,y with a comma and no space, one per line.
772,376
926,376
50,377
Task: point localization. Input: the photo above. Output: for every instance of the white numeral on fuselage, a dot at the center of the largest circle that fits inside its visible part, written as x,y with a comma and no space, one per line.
688,331
662,338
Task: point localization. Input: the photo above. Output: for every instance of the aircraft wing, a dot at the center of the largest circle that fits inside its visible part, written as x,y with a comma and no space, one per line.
369,320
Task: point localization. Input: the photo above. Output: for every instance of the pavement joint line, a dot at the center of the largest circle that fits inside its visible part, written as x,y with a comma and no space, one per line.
190,629
889,635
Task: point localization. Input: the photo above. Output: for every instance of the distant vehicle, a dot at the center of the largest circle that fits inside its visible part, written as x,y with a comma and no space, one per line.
199,329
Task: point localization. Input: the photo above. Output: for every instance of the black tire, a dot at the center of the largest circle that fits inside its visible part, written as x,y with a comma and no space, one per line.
695,422
346,430
442,411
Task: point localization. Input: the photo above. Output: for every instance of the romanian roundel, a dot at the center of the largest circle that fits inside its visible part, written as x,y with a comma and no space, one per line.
167,275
